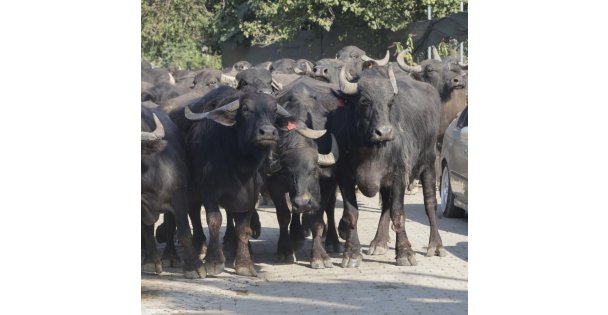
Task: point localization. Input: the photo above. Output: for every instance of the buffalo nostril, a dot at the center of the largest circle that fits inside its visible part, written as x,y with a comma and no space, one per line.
267,130
324,71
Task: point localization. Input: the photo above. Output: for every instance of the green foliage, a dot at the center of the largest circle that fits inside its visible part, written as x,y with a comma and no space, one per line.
173,31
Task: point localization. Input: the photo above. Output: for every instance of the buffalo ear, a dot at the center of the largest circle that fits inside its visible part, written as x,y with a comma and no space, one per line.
223,116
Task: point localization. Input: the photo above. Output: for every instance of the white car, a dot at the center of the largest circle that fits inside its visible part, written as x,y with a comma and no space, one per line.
454,187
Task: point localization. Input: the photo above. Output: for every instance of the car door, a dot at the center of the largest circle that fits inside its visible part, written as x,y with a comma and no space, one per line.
459,168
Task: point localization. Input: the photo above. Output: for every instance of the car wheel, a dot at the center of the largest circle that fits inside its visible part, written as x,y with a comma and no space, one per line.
447,207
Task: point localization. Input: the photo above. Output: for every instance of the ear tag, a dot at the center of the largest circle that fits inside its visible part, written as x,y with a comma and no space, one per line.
291,126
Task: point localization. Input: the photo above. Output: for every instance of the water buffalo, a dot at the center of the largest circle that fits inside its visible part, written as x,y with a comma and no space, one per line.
226,148
313,102
387,131
294,169
284,65
448,77
353,58
164,189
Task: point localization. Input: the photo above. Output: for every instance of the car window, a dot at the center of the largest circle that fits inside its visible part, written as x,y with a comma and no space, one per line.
463,120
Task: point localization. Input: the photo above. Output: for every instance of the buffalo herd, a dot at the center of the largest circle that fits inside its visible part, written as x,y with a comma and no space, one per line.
297,131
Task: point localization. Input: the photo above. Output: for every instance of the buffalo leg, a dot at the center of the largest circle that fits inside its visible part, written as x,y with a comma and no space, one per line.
319,258
328,204
152,261
198,238
214,261
347,229
430,204
285,250
193,267
229,238
170,257
296,231
396,194
243,264
379,245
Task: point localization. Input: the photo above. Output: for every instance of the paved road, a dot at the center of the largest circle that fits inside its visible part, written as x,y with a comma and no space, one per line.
437,285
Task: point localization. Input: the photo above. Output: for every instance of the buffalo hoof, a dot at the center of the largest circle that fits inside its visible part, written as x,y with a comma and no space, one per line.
321,263
286,259
377,249
351,262
245,269
334,246
406,261
435,250
214,268
170,258
153,267
200,272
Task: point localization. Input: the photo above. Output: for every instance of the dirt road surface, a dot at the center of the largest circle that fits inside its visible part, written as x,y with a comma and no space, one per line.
437,285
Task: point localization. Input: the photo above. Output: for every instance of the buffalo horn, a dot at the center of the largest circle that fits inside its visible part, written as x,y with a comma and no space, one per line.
308,69
276,85
405,67
157,134
232,106
311,133
298,70
282,112
382,62
391,76
332,157
229,80
345,86
435,54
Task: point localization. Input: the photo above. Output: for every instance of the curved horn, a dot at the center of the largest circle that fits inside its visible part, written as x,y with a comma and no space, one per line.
405,67
381,62
276,85
298,70
348,76
230,80
282,112
171,79
232,106
345,86
311,133
391,76
157,134
435,54
308,69
332,157
464,66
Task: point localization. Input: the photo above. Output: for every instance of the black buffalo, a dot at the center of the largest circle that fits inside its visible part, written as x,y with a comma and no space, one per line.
354,58
164,189
295,168
387,132
226,148
449,78
284,65
313,102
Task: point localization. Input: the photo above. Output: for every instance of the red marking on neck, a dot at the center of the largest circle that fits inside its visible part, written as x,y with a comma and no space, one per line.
291,126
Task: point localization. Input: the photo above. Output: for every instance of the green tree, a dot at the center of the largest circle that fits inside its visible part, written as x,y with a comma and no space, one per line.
173,31
269,21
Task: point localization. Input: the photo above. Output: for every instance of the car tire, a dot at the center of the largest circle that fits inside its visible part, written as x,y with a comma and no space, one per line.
447,207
